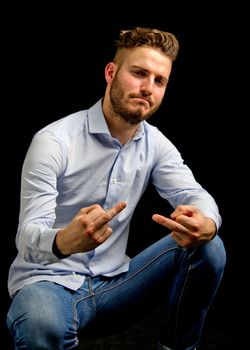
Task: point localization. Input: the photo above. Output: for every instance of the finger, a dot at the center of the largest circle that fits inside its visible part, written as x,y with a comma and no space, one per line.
94,208
188,222
177,237
110,214
186,241
101,237
169,223
187,210
116,209
180,240
162,220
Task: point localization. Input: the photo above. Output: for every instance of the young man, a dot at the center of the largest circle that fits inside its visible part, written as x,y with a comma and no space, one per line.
82,178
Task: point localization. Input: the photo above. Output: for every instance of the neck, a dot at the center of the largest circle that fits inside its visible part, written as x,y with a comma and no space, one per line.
121,130
118,128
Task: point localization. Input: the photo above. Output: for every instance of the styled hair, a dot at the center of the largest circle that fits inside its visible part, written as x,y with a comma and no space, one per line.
165,41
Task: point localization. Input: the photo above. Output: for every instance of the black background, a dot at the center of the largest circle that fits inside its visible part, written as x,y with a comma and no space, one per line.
53,63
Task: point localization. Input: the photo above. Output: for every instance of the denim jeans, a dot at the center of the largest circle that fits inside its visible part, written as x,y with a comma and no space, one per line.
45,315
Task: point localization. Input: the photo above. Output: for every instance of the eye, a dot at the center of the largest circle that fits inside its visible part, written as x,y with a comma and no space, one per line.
160,81
140,73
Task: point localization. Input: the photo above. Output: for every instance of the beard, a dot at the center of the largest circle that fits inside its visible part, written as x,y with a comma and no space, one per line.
120,105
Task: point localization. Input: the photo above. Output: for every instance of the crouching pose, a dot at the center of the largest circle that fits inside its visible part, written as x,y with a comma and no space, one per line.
82,178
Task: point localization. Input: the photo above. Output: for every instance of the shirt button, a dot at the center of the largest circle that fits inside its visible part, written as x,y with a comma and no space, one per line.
114,181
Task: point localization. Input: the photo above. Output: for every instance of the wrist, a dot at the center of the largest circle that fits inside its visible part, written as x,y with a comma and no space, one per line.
57,252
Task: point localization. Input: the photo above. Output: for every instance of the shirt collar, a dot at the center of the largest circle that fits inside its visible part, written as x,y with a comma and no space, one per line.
98,125
97,122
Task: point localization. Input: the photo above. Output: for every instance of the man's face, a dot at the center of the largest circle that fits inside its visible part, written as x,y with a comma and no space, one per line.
139,84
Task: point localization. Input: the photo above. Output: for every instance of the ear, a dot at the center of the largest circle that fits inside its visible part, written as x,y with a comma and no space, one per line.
110,71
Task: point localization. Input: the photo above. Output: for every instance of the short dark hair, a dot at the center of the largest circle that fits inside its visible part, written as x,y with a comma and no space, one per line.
165,41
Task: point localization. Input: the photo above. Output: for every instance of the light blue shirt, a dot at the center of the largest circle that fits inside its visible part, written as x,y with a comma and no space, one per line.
75,162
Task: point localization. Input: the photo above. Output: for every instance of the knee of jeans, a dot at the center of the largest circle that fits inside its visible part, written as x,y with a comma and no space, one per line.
37,326
214,254
37,330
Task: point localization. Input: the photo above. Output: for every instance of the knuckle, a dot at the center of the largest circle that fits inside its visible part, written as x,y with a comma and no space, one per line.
106,217
195,236
82,211
196,228
84,221
90,231
99,239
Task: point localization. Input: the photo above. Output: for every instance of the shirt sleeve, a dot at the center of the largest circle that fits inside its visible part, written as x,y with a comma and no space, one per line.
176,183
42,166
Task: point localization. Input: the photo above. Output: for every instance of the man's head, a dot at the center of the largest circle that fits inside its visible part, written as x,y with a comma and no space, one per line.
138,76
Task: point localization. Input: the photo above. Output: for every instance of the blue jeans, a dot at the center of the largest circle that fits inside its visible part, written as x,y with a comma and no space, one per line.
45,315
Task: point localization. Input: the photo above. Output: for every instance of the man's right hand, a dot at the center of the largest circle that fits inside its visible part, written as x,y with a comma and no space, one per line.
88,229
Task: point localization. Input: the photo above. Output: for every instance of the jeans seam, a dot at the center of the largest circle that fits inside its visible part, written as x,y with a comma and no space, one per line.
79,299
138,271
92,294
96,293
179,303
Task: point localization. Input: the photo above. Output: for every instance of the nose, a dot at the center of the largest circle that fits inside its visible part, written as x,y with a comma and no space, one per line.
147,87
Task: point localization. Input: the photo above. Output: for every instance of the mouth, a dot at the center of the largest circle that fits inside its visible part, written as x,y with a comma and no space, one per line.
143,100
